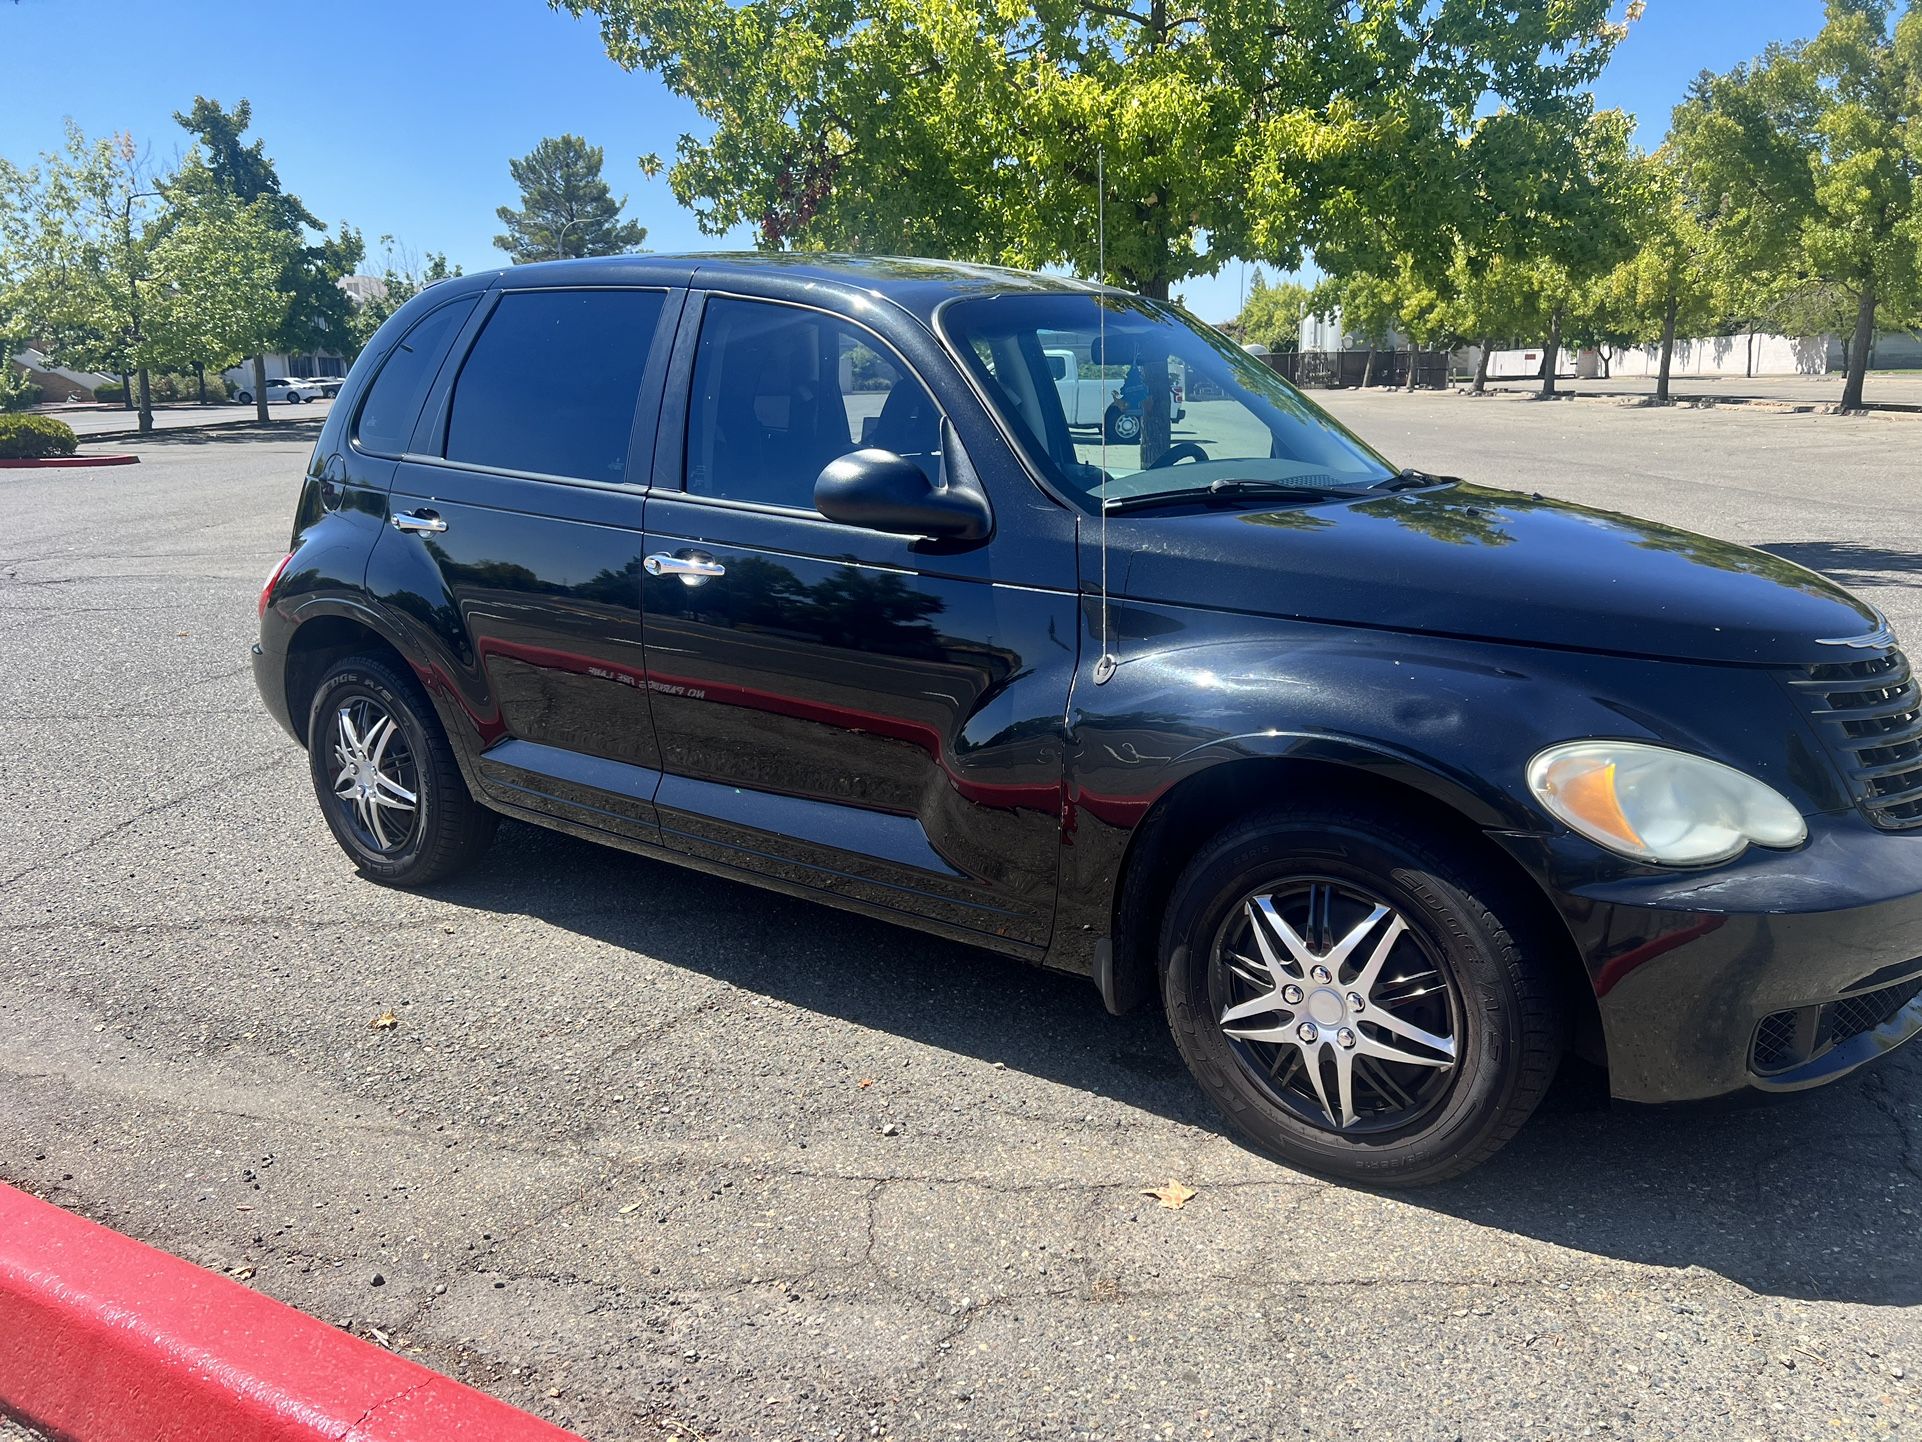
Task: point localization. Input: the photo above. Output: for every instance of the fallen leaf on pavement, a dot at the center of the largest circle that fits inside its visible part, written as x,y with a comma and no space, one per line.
386,1021
631,1207
1174,1196
865,1082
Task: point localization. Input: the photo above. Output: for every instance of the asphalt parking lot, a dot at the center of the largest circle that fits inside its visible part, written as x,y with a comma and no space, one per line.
658,1156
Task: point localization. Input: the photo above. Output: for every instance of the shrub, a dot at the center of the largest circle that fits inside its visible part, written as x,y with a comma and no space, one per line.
23,397
113,393
29,438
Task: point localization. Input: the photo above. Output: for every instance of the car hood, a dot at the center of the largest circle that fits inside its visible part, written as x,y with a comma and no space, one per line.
1465,560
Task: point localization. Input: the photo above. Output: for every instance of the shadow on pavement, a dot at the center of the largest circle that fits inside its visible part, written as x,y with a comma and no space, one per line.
1815,1197
1852,564
244,432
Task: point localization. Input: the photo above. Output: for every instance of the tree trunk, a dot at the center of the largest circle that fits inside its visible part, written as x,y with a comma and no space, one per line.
1859,347
260,389
200,381
1414,365
146,403
1552,354
1368,369
1669,307
1157,419
126,390
1481,367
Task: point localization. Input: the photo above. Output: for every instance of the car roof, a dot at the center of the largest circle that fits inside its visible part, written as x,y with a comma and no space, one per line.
917,286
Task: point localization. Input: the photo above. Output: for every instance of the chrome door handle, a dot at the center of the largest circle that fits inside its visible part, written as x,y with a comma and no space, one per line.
416,521
692,569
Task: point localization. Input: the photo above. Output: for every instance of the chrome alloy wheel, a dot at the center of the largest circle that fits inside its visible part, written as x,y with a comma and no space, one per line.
378,782
1335,1006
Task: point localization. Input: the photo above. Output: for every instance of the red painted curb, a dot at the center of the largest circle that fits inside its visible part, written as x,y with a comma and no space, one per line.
49,463
104,1339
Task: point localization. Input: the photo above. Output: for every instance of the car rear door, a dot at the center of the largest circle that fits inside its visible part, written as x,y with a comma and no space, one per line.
857,713
513,545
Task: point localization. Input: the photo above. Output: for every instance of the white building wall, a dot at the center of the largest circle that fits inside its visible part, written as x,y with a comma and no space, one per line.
1746,354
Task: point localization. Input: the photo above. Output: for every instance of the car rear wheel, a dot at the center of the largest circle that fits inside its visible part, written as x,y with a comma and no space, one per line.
1357,998
387,780
245,398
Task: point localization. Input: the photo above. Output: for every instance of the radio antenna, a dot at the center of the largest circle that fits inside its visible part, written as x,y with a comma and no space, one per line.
1105,664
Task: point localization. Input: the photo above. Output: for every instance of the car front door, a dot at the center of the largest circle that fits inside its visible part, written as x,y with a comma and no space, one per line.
838,709
513,546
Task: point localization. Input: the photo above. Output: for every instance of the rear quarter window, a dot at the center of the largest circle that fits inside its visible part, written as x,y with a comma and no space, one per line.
386,421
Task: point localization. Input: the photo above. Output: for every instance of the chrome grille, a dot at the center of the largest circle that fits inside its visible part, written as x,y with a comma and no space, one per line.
1869,710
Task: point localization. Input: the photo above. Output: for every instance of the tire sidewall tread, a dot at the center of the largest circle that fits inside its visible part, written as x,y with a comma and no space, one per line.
454,829
1511,1035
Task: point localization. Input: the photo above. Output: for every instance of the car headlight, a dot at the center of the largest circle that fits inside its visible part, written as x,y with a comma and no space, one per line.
1659,805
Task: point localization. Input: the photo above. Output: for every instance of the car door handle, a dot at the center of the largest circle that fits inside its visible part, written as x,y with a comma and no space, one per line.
414,522
692,568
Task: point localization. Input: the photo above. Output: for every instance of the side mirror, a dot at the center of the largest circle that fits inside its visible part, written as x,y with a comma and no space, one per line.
885,492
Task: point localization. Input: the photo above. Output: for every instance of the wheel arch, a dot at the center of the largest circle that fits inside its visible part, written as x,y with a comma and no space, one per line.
1208,801
314,647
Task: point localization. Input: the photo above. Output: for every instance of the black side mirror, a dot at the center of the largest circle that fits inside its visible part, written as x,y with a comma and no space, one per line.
886,492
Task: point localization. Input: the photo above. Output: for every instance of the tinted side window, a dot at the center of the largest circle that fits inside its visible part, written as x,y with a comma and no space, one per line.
387,418
550,385
780,391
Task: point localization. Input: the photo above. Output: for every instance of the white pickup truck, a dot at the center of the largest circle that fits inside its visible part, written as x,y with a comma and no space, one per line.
1083,402
1104,400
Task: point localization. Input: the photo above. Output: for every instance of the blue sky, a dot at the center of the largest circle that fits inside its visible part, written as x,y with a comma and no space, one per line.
400,117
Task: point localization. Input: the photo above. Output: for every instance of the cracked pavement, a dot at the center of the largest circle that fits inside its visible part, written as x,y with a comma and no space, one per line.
655,1155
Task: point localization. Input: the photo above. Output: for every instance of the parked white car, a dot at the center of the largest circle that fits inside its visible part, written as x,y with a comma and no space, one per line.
328,386
281,388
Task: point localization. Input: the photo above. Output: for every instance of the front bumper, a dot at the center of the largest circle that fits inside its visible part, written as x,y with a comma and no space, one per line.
1777,972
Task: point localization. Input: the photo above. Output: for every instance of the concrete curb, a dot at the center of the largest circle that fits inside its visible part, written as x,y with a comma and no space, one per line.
159,432
105,1339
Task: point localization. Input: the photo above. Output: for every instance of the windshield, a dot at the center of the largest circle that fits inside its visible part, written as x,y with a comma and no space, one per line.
1119,389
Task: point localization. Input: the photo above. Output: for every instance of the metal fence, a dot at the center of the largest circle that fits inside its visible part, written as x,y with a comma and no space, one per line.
1346,369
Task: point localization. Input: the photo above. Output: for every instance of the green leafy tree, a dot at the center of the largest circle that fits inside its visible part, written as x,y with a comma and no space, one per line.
1810,156
1677,281
1369,306
319,313
1272,315
217,267
1005,131
566,207
76,265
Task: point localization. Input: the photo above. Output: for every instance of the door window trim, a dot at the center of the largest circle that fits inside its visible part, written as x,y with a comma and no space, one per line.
430,437
693,318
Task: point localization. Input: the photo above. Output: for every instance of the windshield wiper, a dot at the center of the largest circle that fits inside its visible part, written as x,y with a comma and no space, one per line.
1230,490
1411,479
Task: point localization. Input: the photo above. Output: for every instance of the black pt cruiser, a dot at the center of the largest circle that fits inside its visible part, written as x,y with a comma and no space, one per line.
825,574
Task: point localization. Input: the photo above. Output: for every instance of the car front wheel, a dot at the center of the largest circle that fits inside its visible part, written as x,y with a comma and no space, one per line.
1357,998
245,398
387,779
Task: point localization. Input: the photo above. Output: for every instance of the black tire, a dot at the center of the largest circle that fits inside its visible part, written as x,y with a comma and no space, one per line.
446,830
1123,428
245,398
1504,1027
294,398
